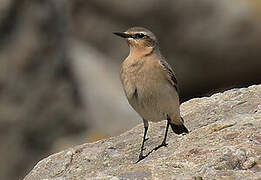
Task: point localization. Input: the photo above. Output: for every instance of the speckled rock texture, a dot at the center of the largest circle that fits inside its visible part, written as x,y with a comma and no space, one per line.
224,143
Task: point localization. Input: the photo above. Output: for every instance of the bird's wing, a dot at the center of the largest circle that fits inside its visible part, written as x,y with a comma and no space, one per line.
170,74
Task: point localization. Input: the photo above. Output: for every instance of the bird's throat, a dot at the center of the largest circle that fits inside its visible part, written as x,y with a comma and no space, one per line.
139,52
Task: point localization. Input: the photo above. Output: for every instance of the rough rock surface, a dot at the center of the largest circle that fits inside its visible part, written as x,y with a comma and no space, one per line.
224,143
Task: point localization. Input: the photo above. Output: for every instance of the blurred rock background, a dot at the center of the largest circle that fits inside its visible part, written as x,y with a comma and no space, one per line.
59,65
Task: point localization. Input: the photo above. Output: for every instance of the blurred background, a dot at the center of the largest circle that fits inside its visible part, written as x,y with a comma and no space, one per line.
59,65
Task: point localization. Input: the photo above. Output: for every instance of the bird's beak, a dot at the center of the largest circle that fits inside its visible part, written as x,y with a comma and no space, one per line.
124,35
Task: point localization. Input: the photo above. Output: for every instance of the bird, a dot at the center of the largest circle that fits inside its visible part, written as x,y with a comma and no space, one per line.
150,84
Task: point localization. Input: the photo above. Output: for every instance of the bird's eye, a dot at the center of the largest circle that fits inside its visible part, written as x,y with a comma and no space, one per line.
139,35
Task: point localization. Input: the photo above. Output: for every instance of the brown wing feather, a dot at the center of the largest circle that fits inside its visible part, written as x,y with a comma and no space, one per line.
171,76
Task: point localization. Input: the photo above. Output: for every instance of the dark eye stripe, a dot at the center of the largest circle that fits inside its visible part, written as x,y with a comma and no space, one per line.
139,36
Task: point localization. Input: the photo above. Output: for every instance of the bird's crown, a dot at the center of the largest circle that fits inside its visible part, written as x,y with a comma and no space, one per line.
139,37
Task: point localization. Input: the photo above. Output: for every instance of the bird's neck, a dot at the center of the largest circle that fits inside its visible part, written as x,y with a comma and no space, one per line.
139,52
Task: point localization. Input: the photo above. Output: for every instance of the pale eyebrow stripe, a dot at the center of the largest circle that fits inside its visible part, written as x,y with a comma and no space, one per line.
143,32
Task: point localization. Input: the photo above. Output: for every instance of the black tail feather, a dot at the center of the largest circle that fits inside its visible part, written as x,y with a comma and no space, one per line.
179,129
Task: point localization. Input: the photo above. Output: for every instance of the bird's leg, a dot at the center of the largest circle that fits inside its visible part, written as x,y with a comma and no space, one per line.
142,146
164,143
146,126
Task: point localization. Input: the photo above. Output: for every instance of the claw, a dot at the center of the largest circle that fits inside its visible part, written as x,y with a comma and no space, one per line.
164,144
141,157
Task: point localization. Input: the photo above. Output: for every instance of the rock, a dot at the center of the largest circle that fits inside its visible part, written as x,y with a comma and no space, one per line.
44,107
223,143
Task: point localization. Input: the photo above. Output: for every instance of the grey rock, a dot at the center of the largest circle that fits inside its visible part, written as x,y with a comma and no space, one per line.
223,143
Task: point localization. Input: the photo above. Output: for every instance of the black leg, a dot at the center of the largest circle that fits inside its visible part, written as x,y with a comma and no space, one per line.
164,142
142,146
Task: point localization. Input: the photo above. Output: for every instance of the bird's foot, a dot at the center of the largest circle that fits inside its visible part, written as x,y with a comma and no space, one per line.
141,157
164,144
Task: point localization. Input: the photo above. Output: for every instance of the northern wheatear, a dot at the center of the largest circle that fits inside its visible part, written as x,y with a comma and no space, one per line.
150,83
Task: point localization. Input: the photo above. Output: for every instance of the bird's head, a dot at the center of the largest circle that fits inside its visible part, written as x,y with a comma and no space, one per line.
139,38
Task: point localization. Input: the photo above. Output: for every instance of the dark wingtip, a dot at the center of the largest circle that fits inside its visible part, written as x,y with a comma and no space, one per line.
179,129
